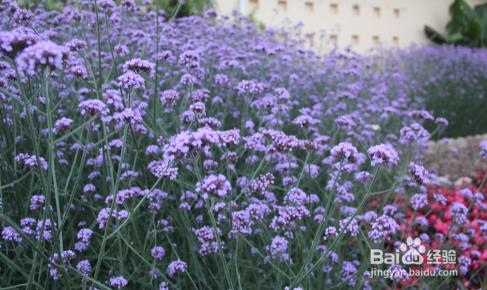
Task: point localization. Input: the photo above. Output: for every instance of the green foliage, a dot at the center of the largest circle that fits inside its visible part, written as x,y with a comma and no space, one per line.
183,8
468,26
47,5
179,8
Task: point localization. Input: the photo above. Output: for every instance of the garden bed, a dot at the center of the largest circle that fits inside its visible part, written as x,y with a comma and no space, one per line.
140,151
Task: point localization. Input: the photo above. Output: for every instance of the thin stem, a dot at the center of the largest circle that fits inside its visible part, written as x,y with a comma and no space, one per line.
299,278
220,248
52,165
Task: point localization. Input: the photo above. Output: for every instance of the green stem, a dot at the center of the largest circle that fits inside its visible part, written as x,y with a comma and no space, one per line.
299,278
220,248
51,153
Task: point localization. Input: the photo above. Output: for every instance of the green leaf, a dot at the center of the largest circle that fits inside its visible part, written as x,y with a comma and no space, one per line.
481,11
467,26
474,32
461,14
455,38
434,36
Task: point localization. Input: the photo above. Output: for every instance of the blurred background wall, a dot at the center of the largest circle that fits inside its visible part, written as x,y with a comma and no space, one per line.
363,24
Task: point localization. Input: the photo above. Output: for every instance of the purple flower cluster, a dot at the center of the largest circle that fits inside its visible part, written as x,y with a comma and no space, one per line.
75,45
161,168
84,267
169,97
92,107
296,196
262,183
349,225
419,201
9,234
383,154
278,248
16,40
419,173
346,156
139,65
31,161
41,54
204,139
36,201
415,133
483,149
104,215
459,213
118,282
181,145
62,124
251,87
242,221
175,267
214,185
207,238
382,228
83,236
287,216
56,271
131,80
158,253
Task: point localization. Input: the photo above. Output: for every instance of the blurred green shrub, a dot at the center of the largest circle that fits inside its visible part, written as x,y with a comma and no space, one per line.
468,26
182,8
450,81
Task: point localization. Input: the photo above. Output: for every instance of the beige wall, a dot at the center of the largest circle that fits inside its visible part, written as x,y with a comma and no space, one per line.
361,23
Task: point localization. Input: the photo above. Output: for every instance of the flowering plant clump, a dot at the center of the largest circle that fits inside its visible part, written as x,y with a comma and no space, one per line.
454,219
450,81
140,151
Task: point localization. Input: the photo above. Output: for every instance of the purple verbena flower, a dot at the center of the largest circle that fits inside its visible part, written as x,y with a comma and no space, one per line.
138,65
161,168
31,161
92,107
118,282
241,222
383,154
419,173
84,267
36,201
214,185
296,196
176,267
131,80
207,237
164,285
9,234
415,133
62,124
41,54
382,228
483,149
349,225
169,97
11,42
459,213
330,232
419,200
278,248
158,253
